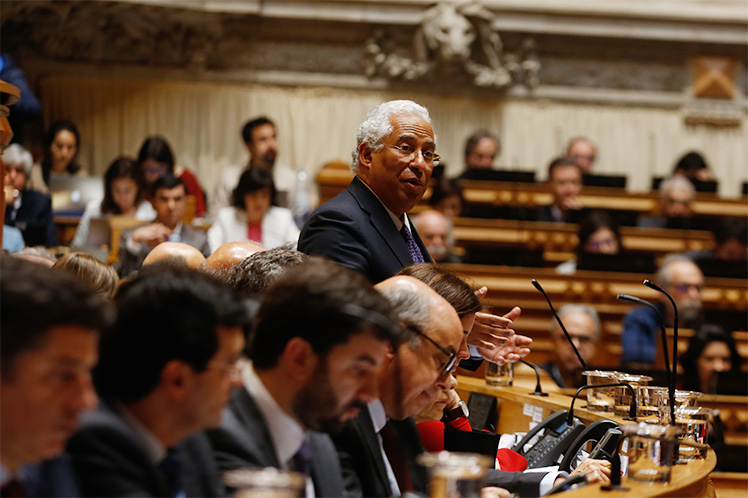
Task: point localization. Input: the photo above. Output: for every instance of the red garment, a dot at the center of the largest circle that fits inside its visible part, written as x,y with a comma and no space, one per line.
194,189
432,437
254,232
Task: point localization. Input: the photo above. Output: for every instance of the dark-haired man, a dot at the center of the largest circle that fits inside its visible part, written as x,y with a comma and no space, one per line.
48,346
166,371
565,183
260,139
481,148
320,336
253,275
170,202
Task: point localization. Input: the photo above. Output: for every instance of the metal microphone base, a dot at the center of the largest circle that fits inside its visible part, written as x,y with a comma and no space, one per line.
538,394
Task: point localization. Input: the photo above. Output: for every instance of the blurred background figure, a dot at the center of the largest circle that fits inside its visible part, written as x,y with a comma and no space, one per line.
565,183
436,234
676,204
583,325
710,351
253,215
582,152
124,194
176,254
61,146
99,276
693,166
156,158
447,198
481,149
598,234
28,210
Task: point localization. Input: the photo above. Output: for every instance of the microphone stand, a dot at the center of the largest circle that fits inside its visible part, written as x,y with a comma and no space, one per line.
615,471
632,410
538,390
663,335
654,286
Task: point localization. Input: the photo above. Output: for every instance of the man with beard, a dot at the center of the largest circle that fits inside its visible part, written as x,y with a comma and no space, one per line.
320,336
261,142
683,280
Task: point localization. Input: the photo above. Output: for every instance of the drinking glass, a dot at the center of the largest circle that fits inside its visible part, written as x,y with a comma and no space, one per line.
455,475
501,375
600,399
650,451
622,395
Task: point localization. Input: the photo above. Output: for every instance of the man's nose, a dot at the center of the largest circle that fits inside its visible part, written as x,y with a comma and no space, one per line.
721,366
464,352
83,396
370,388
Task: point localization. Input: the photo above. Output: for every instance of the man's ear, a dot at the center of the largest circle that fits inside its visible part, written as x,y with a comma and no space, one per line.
177,378
299,359
365,155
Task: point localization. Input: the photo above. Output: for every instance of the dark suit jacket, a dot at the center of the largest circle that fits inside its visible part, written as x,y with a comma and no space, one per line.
243,440
34,219
110,460
53,478
130,261
355,230
364,471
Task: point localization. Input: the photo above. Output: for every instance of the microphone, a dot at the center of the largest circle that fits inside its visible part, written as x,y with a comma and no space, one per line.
538,390
632,409
615,471
558,319
663,335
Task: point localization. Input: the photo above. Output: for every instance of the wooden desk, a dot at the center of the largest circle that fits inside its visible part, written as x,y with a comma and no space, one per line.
687,480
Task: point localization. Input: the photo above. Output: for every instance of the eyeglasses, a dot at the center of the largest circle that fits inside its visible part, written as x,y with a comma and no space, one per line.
683,288
451,362
409,153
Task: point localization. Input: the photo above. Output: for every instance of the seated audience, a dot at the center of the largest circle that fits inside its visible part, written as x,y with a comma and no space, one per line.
175,254
99,276
730,241
156,159
222,260
61,146
565,183
481,148
693,166
12,239
124,195
50,334
253,215
598,234
311,370
26,209
446,197
253,275
582,152
682,279
711,350
676,204
165,373
436,234
583,325
169,202
36,254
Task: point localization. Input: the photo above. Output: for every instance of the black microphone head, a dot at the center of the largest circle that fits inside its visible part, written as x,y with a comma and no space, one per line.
537,285
652,285
624,297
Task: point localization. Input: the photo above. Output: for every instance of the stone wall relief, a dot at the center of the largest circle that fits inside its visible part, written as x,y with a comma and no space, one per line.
456,39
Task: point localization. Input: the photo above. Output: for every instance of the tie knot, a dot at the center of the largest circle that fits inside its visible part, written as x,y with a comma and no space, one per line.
302,460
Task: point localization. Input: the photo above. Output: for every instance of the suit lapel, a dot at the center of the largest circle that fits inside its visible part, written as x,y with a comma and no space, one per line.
254,430
366,428
381,221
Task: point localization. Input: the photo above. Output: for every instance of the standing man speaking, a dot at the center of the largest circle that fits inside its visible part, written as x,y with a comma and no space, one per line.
366,227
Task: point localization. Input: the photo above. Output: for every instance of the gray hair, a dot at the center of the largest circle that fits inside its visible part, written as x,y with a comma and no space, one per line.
15,154
411,307
255,273
662,277
578,308
676,182
377,124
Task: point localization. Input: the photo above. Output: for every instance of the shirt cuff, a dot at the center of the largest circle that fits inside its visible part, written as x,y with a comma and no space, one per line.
547,483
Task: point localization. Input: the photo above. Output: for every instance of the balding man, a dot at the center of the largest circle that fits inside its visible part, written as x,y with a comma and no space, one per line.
223,259
177,253
366,226
582,151
683,280
676,204
435,231
583,325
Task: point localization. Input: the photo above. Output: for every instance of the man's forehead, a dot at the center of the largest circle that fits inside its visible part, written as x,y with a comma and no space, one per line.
684,272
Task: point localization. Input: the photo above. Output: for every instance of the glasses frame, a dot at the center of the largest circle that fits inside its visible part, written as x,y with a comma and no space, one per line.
410,156
451,362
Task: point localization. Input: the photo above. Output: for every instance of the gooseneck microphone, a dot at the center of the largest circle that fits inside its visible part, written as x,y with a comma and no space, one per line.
656,287
663,335
632,409
558,319
538,389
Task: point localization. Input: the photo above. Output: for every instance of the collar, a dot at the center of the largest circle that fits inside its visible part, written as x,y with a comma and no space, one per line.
286,433
397,221
154,449
6,475
378,415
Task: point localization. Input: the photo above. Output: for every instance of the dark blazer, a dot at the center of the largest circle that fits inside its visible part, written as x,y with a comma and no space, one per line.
365,473
34,219
110,460
129,261
355,230
53,478
243,440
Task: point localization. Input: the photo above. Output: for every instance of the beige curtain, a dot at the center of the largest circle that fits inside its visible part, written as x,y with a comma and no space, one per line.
203,120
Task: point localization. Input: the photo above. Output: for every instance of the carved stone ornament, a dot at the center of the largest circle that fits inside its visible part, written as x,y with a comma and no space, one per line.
457,39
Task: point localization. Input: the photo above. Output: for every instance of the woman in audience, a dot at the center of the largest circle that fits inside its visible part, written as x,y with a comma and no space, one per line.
447,198
61,146
253,215
156,159
598,234
711,350
124,194
91,271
